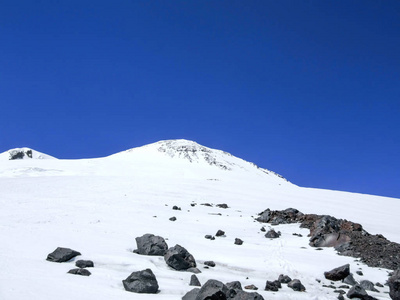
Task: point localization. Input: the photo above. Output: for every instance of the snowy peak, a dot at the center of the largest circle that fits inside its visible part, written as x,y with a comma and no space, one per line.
23,153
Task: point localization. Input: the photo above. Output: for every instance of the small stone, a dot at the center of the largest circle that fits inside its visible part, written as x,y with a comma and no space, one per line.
62,255
338,273
238,241
194,281
172,219
84,264
296,285
223,205
251,287
79,271
286,279
208,237
263,229
176,207
210,263
220,233
272,234
359,273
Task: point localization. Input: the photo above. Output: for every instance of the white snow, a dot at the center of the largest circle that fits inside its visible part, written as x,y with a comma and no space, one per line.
98,207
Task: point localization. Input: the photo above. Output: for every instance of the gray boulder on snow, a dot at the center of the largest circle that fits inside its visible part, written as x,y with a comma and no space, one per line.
368,286
284,279
357,291
141,282
235,285
194,281
212,289
349,280
179,258
272,234
191,295
149,244
62,255
338,273
296,285
79,271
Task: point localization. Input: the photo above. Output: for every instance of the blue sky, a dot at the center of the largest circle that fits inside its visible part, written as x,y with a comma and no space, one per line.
309,89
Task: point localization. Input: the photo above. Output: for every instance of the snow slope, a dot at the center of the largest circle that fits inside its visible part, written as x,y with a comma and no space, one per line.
98,207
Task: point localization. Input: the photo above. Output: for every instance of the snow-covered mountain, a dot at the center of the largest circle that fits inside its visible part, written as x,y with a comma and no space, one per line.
23,153
99,206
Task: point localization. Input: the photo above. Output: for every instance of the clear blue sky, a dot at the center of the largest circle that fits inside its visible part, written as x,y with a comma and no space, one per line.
309,89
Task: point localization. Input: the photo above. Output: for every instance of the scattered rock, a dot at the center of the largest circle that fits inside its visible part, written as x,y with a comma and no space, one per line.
339,273
84,264
284,279
62,255
194,281
251,287
79,271
350,280
356,292
296,285
238,241
206,204
241,295
192,204
272,234
179,258
141,282
263,229
191,295
149,244
359,273
297,234
220,233
223,205
394,285
172,219
368,286
273,286
234,285
209,237
210,263
379,284
212,289
176,207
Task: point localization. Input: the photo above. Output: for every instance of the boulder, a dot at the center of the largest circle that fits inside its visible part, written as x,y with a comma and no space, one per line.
210,263
284,279
220,233
273,286
141,282
84,264
338,273
223,205
172,219
235,285
349,280
62,255
212,289
149,244
394,285
79,271
191,295
357,291
368,286
194,281
251,287
179,258
241,295
296,285
272,234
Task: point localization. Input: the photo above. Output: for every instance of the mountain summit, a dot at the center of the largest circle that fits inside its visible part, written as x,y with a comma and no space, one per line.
23,153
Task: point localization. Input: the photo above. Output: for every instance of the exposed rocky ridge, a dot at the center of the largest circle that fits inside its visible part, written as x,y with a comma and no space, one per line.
348,238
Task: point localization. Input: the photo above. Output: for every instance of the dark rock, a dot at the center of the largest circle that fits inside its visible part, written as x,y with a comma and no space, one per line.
296,285
273,286
172,219
141,282
339,292
194,281
212,290
223,205
251,287
338,273
340,297
238,241
263,229
149,244
234,285
84,264
241,295
179,258
297,234
329,286
284,279
209,237
368,286
176,207
194,270
394,285
272,234
344,287
79,271
191,295
379,284
220,233
210,263
356,291
359,273
206,204
62,255
350,280
192,204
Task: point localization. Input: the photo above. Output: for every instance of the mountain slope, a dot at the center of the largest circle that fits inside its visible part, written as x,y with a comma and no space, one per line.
99,206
